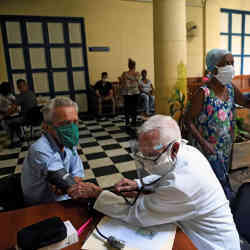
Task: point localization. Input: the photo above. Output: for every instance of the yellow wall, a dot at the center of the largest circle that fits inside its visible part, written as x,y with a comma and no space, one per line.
213,18
126,27
212,40
195,43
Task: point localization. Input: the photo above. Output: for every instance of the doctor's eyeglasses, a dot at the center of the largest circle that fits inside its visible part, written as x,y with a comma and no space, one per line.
154,158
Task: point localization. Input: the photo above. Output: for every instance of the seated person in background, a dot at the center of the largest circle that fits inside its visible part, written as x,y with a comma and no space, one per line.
26,100
187,191
146,89
104,92
55,150
6,101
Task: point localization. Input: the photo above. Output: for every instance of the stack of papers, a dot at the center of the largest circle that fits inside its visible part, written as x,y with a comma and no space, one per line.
159,237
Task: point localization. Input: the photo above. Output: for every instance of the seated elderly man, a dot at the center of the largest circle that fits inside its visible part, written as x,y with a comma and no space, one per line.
187,191
54,155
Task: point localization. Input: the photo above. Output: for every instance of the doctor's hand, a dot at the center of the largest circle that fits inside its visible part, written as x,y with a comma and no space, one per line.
126,185
84,190
78,179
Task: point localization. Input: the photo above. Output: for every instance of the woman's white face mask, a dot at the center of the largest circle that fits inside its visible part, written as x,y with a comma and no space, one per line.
225,74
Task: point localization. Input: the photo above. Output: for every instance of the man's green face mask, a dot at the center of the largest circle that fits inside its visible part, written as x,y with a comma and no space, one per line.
68,135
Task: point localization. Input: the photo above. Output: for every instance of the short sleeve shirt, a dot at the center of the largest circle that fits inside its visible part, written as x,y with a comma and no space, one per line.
43,156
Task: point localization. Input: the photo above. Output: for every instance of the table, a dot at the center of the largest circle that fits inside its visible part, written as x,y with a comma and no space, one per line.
13,221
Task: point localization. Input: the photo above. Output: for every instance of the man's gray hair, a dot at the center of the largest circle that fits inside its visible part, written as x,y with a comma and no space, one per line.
166,125
48,110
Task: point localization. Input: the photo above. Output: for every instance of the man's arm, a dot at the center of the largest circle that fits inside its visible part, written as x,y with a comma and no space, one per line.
97,93
140,87
76,167
96,87
163,206
35,186
110,89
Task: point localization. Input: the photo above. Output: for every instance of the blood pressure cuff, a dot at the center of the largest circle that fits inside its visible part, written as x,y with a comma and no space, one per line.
41,234
61,179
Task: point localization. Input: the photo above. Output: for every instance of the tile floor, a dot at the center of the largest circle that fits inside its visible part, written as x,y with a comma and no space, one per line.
104,150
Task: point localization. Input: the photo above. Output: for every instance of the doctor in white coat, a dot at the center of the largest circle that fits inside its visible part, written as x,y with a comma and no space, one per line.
187,193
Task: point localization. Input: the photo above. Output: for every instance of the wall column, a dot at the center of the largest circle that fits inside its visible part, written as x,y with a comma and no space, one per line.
170,52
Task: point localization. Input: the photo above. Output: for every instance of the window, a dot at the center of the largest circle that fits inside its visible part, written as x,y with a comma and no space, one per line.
235,37
48,52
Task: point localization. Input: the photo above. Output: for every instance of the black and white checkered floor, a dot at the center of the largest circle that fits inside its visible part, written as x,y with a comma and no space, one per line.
103,148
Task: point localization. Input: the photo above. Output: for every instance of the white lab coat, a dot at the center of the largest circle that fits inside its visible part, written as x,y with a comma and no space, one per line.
190,196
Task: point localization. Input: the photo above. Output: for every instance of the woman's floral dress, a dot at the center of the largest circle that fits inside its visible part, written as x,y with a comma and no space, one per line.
215,124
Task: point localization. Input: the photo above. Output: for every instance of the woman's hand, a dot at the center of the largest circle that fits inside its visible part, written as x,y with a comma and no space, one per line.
209,148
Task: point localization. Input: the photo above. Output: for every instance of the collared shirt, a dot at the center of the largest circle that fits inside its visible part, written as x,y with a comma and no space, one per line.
43,156
190,196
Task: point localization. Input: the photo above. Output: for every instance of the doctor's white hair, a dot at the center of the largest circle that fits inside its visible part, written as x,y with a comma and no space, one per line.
48,110
166,125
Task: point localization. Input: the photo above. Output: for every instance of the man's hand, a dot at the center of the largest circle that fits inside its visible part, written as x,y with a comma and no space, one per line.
98,93
84,190
126,185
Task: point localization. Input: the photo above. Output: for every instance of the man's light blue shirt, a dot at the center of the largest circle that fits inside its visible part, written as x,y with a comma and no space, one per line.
43,156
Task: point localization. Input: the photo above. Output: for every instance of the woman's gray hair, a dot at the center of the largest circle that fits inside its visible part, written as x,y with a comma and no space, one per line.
48,110
166,125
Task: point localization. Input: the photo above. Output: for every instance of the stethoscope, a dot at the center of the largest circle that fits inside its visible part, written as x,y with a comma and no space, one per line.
145,189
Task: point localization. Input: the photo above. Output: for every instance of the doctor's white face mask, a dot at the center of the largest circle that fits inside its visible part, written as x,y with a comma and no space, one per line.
225,74
159,166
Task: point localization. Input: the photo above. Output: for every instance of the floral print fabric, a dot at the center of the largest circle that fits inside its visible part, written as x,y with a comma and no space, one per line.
215,124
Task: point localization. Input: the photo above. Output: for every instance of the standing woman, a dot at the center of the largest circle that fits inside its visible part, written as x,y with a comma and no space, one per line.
210,115
130,90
